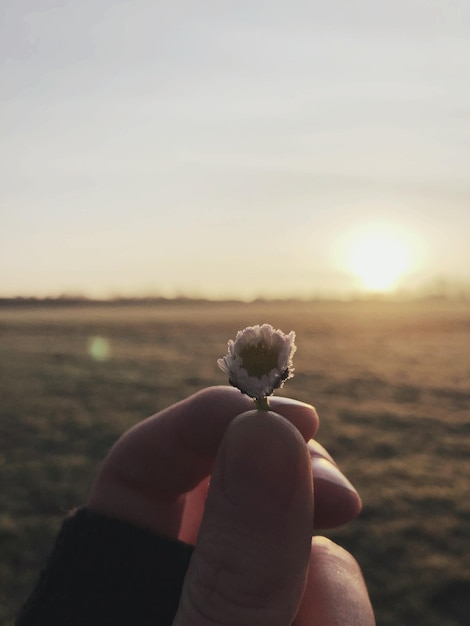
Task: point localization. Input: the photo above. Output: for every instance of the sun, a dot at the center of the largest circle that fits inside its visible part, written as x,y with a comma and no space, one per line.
379,256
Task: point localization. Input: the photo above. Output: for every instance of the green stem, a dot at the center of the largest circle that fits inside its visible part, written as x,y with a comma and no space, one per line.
262,404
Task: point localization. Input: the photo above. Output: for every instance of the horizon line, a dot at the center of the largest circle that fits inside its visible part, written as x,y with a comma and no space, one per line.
75,300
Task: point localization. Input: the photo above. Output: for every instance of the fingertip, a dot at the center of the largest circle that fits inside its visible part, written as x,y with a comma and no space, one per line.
302,415
265,453
336,500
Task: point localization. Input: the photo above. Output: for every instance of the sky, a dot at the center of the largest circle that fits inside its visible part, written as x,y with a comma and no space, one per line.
233,149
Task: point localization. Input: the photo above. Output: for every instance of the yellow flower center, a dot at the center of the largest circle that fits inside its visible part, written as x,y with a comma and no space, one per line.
259,360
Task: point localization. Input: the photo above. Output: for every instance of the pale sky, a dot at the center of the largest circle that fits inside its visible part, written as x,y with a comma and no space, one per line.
248,148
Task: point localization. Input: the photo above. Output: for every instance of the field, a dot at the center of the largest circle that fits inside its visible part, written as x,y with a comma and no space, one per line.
391,383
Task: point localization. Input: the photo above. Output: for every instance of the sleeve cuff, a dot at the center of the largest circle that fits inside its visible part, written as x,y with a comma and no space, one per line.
104,571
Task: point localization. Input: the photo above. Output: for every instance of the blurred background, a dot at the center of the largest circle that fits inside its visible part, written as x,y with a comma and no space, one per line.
174,171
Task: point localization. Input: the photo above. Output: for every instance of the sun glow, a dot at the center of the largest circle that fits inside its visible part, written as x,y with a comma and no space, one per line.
379,256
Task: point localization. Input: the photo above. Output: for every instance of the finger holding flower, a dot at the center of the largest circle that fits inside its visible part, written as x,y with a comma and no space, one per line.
259,361
255,560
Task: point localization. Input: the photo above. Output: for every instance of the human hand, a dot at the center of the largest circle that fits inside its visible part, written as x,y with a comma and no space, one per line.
253,563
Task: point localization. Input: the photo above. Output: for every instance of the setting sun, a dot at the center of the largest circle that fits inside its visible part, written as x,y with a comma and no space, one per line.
378,256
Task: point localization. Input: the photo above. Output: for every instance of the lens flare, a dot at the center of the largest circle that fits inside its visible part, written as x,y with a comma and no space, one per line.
99,348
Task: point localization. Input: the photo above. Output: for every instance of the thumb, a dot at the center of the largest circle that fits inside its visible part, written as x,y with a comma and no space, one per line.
251,558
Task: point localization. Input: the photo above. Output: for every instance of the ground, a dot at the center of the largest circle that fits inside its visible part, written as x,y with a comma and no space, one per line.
390,380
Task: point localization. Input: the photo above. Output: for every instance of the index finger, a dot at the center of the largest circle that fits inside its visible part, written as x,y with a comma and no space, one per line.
147,472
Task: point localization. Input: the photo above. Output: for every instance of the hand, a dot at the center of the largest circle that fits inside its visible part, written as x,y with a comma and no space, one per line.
254,561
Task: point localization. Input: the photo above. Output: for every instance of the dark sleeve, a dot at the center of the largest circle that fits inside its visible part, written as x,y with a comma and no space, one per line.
103,571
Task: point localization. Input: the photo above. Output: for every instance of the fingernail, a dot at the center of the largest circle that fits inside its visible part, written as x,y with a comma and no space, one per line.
317,450
302,415
280,401
326,471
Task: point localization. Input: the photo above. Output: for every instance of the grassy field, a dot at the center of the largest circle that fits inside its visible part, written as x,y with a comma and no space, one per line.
391,382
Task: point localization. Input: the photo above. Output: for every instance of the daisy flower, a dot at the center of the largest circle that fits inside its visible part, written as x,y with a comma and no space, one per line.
259,361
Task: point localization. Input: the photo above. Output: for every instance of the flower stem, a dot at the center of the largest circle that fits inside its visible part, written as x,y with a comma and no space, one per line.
262,404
